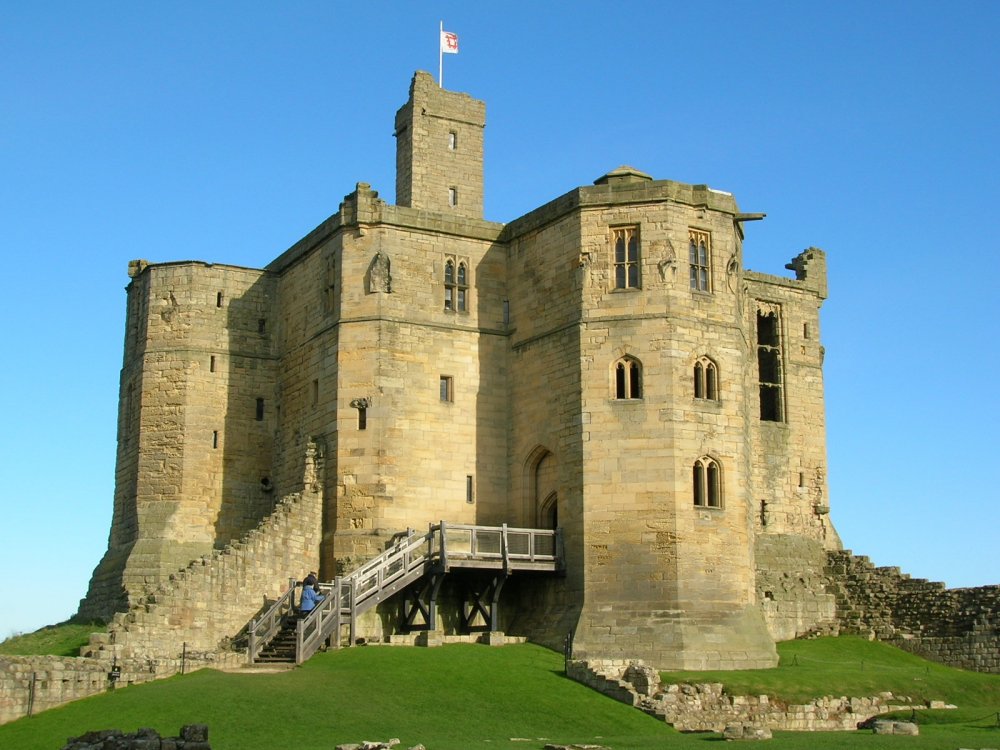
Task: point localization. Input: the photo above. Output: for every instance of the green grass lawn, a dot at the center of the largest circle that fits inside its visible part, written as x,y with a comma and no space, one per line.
854,667
458,697
65,639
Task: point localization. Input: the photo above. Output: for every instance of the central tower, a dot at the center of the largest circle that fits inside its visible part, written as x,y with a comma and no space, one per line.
439,150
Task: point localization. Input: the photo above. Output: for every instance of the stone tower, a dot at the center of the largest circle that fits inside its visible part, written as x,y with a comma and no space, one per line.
439,150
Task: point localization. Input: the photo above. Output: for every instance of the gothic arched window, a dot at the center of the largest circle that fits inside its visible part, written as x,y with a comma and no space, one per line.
706,379
707,483
628,378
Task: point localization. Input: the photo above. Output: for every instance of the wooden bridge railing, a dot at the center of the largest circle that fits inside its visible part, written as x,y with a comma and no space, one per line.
264,628
444,547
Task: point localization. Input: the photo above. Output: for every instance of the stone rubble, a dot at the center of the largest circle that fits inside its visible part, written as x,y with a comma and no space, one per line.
191,737
707,707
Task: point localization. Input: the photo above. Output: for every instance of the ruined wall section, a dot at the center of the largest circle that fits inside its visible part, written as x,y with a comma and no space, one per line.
200,609
793,586
192,451
789,453
958,627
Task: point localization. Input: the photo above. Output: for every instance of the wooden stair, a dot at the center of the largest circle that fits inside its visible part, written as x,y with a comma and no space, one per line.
281,648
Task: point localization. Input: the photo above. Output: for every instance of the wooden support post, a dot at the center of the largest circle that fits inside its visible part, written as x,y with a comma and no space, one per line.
354,612
498,583
338,603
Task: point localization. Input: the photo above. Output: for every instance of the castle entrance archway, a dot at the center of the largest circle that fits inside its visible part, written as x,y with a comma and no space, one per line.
548,512
541,501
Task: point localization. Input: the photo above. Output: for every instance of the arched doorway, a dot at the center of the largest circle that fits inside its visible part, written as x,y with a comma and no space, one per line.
548,512
541,506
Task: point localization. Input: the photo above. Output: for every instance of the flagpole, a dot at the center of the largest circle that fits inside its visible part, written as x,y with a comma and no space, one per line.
440,57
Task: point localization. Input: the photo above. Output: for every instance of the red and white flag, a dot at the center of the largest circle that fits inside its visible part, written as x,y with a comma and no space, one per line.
449,42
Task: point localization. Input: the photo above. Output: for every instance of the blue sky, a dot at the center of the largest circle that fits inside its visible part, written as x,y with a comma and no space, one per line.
225,131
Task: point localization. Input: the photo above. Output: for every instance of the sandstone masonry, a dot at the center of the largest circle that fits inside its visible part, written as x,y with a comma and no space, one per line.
603,364
707,707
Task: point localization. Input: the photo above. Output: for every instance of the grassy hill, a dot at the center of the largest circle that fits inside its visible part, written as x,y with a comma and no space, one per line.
65,639
512,698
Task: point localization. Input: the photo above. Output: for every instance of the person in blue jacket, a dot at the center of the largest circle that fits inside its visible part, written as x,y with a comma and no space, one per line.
310,595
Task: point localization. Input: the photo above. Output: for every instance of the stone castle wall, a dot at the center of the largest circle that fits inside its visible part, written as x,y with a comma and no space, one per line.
32,684
652,565
793,586
205,605
789,454
957,627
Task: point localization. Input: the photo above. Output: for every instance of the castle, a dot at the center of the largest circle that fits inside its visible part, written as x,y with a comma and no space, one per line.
603,364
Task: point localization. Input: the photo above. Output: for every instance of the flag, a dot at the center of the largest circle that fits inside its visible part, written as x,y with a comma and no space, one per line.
449,42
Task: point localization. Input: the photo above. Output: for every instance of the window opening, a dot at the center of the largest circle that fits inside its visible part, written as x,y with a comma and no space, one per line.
452,140
211,363
260,410
129,412
769,365
706,379
628,378
506,312
218,299
449,285
625,241
261,325
362,417
330,284
461,287
315,392
699,255
452,196
447,388
215,439
456,285
469,497
707,483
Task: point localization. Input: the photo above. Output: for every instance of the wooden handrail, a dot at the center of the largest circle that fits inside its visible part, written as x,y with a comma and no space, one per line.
409,557
264,628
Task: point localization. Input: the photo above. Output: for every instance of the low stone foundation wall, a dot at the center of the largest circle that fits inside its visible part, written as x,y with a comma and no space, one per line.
438,639
31,684
706,707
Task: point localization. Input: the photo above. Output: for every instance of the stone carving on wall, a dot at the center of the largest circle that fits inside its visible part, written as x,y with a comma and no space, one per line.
768,308
733,280
668,258
379,278
583,269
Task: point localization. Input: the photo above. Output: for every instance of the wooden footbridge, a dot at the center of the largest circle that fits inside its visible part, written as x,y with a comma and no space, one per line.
417,565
